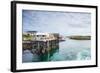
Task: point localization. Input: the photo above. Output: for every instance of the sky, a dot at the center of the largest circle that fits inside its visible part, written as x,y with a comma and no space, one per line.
64,23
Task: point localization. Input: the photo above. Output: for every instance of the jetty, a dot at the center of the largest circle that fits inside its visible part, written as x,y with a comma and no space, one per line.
40,43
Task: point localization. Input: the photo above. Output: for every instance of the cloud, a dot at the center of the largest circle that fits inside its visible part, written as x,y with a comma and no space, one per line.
60,22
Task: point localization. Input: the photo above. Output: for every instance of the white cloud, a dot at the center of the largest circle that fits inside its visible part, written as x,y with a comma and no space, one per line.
60,22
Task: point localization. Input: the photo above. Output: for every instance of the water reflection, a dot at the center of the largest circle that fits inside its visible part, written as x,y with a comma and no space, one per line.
41,51
65,50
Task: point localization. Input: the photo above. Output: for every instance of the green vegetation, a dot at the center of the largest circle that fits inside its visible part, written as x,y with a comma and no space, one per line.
27,37
80,37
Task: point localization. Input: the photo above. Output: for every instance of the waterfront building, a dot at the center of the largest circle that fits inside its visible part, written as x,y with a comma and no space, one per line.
40,43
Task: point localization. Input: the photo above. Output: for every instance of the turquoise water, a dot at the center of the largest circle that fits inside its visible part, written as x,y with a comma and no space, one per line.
68,50
73,50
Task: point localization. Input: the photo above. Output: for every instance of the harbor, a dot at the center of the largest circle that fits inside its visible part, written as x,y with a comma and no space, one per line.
56,36
41,47
41,44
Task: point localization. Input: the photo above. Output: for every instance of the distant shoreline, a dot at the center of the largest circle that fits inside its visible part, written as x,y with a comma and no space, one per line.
79,37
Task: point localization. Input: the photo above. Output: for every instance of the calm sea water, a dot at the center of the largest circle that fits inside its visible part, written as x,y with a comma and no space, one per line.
73,50
68,50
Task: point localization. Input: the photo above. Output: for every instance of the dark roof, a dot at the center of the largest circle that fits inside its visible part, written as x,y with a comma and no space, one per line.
32,31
